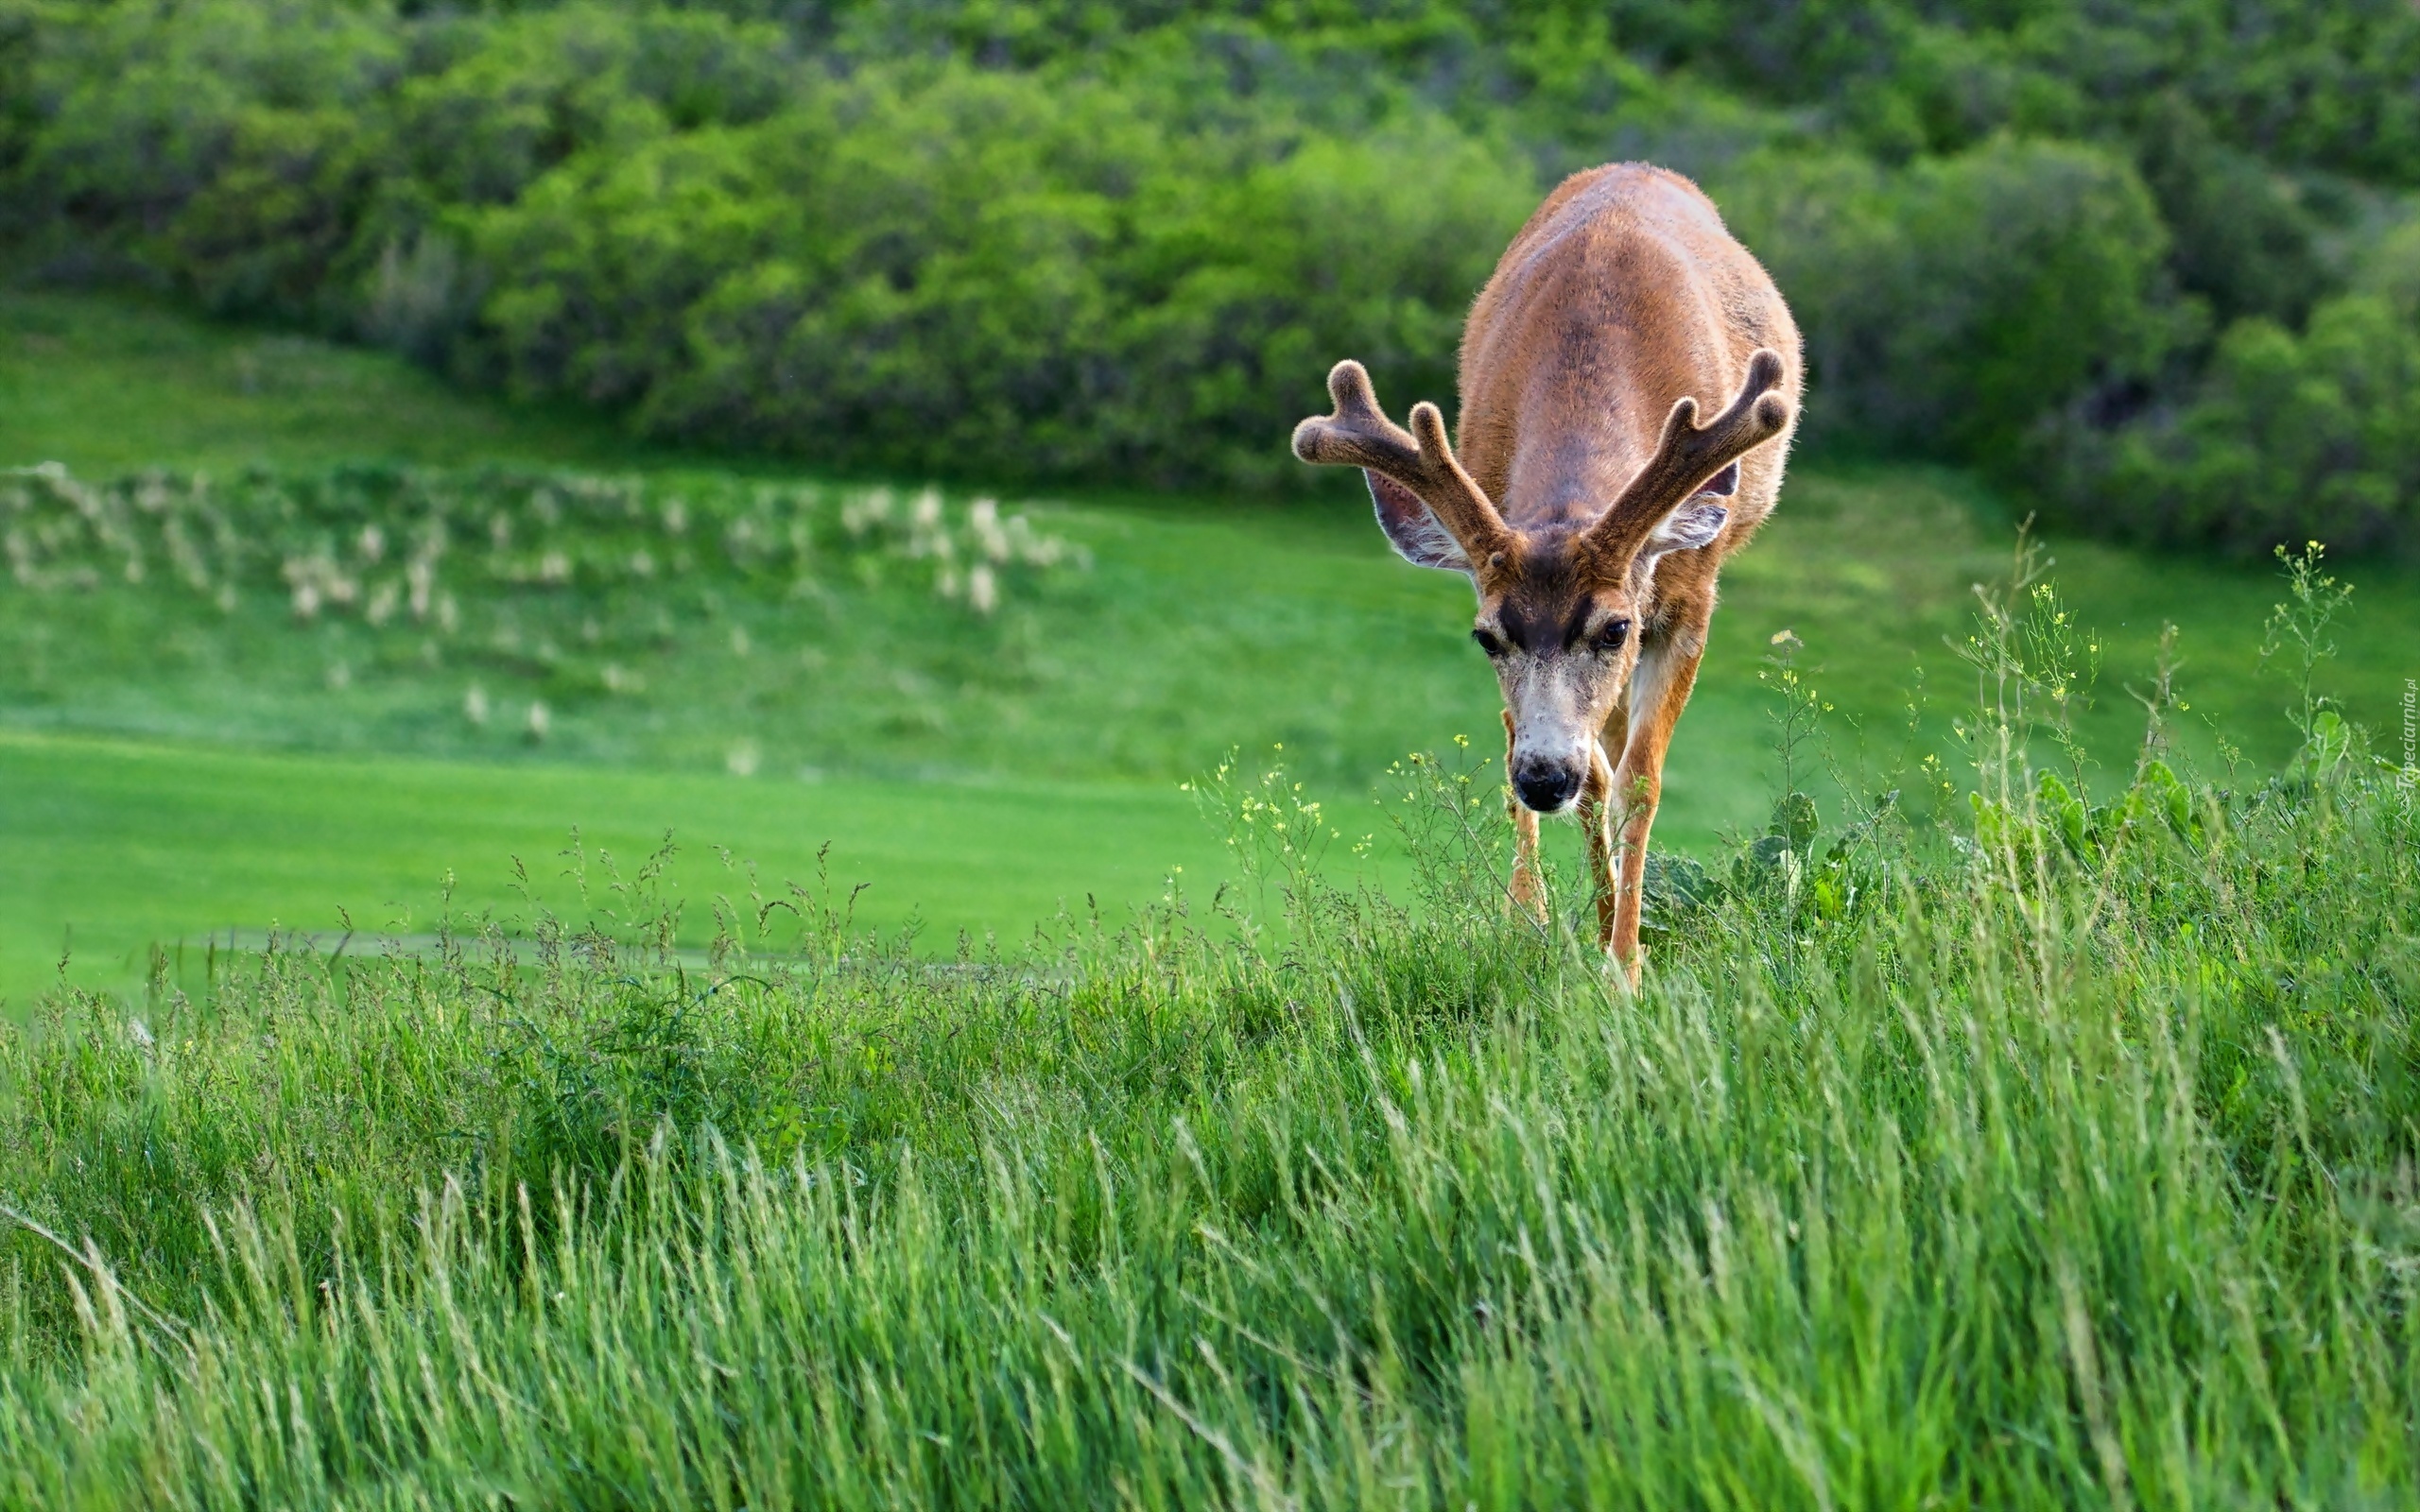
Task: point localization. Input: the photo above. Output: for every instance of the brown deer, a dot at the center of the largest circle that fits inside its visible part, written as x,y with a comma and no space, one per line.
1586,505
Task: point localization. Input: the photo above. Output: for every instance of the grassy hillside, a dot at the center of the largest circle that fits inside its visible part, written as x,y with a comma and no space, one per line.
1203,624
109,384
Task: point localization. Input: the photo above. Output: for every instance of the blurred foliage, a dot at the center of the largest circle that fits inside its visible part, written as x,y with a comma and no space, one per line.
2316,435
1070,240
1944,303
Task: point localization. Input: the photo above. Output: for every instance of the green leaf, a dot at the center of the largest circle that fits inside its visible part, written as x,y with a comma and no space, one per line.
1795,821
2065,812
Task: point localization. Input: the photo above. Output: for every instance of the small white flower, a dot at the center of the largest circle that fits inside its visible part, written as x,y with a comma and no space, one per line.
983,522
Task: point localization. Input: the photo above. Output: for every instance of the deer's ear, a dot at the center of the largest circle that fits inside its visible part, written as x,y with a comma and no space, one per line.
1415,532
1693,525
1723,484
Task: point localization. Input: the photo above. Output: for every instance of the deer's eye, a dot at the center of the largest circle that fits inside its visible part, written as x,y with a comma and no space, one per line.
1489,642
1613,635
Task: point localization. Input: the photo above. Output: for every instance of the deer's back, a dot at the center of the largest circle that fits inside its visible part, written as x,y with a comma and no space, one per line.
1622,295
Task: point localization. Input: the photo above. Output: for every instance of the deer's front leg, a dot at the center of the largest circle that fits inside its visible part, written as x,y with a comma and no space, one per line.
1597,818
1659,690
1527,893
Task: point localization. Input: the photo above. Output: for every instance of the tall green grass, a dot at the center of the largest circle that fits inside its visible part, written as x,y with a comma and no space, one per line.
2061,1154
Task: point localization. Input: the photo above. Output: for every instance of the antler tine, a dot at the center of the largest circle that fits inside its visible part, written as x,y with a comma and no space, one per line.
1358,434
1422,459
1686,454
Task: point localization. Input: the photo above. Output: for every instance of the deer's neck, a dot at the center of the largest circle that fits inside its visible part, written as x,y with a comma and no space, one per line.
1558,471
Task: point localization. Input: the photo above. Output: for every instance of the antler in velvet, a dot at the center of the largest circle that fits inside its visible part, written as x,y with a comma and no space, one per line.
1359,435
1686,457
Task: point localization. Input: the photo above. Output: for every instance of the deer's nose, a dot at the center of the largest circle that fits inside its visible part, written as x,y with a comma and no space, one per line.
1546,785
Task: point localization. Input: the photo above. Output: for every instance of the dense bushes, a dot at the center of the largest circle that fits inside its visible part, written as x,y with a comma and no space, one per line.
932,267
989,273
2309,84
2318,434
1948,306
1048,240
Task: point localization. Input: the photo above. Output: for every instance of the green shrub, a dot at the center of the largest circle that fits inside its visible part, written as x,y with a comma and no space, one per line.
229,147
1949,305
2287,437
2243,236
1137,302
2304,83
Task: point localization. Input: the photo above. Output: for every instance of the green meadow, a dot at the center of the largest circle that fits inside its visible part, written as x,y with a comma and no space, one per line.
240,770
696,815
679,999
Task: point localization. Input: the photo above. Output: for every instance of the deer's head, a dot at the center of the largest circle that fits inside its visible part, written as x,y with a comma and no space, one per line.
1559,607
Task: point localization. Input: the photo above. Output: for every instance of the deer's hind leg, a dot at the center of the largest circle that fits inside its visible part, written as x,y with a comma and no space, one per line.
1659,690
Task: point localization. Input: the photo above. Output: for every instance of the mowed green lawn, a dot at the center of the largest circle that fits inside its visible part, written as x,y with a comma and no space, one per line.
149,792
108,847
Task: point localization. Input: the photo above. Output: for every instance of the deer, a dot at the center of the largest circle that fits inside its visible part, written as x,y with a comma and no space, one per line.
1579,495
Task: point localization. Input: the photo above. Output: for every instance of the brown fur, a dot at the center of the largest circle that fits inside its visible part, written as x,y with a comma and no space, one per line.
1620,306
